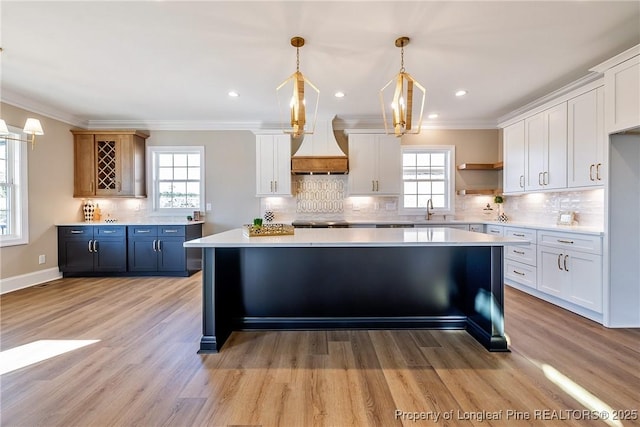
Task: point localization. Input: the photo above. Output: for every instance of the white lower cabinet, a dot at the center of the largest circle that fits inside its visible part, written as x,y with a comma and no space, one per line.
520,260
570,268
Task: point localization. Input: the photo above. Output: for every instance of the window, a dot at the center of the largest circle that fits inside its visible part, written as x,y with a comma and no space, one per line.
177,179
427,173
14,215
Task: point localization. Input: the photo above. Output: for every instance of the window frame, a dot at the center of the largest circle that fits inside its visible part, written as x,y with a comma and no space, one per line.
153,182
18,173
450,181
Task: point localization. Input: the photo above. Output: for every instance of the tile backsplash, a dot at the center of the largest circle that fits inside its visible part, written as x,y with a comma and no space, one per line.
325,197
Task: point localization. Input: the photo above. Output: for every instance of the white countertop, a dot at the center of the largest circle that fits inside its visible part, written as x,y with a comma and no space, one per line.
146,221
355,237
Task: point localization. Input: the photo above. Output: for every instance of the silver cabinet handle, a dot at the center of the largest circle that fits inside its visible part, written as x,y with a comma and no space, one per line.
545,178
159,245
517,272
559,258
89,247
598,178
373,185
77,232
540,179
275,186
565,263
142,231
108,232
521,181
565,241
95,246
119,184
154,246
518,252
591,172
518,234
170,231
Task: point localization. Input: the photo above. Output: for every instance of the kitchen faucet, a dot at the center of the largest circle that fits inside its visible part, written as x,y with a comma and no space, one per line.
429,205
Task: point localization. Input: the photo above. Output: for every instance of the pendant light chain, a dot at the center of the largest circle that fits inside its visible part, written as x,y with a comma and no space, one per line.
297,59
402,59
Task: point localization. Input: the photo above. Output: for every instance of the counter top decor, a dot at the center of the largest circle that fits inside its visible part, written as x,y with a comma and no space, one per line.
267,230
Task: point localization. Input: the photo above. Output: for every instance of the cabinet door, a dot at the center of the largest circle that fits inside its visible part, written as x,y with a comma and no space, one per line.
171,254
125,165
363,155
110,255
514,158
552,278
107,164
586,139
265,161
389,165
282,165
585,271
535,152
555,147
74,255
142,254
622,86
84,166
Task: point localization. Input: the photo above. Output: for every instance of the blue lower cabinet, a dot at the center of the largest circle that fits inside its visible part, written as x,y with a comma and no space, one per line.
92,249
139,250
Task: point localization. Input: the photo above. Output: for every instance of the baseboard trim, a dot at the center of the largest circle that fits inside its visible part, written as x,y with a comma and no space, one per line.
22,281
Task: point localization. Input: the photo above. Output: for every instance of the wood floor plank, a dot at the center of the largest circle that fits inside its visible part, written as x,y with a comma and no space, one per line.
145,370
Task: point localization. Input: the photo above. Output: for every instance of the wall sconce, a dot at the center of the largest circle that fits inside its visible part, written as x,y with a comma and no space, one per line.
403,108
298,101
31,127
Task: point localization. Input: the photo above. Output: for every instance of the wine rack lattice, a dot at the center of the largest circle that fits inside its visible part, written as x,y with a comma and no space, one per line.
106,165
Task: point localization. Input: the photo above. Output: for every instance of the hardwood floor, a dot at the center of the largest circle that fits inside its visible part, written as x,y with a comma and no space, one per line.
145,371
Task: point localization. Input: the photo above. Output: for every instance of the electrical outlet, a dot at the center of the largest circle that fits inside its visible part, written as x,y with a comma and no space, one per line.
42,259
208,207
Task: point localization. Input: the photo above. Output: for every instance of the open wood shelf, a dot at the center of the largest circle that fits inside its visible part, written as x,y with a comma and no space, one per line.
481,166
486,192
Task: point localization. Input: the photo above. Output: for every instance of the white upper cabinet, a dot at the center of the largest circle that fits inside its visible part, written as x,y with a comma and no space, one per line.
546,149
514,158
273,165
375,165
622,95
585,163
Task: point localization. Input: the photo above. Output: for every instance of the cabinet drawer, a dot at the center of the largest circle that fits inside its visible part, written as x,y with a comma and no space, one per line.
477,228
571,241
521,233
525,254
175,230
80,231
520,273
110,231
496,230
143,230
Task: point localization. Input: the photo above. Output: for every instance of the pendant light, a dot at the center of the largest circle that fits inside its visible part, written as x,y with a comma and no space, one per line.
297,103
401,115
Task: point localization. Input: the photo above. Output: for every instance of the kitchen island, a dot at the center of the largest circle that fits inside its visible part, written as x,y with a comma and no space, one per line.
382,278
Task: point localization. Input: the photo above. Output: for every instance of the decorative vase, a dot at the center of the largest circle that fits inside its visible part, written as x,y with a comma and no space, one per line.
88,208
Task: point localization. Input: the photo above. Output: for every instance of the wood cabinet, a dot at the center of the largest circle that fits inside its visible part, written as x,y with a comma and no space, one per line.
375,165
273,165
570,268
92,249
514,158
546,149
586,140
622,86
109,163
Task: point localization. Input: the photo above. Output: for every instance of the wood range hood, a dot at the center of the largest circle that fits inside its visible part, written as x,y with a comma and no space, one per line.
319,153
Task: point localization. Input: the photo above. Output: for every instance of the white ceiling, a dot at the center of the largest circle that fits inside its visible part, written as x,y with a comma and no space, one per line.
163,64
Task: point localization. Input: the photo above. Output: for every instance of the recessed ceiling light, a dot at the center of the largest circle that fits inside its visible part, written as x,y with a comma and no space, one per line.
339,94
461,92
233,94
433,116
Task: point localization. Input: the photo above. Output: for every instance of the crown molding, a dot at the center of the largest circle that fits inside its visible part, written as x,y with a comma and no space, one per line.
621,57
18,100
573,89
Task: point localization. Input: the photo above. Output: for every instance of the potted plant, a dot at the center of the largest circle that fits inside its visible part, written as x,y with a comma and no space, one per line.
498,199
